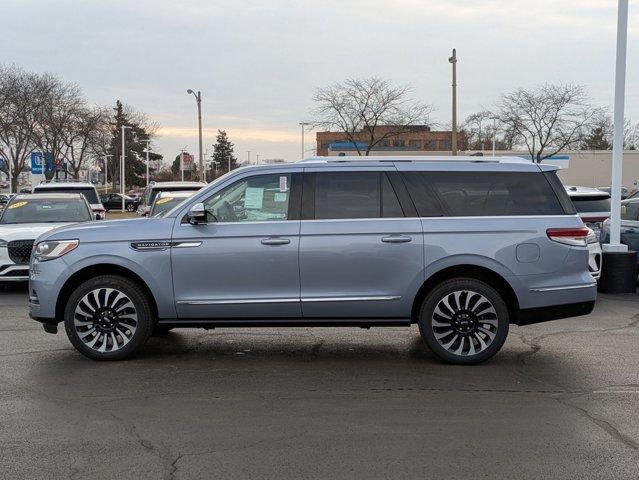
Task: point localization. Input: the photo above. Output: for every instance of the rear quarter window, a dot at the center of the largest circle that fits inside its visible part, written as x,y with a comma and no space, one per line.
585,204
466,194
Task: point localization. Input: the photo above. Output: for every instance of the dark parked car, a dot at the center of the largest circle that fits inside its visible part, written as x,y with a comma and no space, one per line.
113,201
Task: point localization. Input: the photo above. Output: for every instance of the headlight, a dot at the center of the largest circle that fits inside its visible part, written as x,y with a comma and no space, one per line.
54,249
3,243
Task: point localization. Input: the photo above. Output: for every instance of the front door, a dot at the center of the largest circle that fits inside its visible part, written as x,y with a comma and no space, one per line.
243,263
361,254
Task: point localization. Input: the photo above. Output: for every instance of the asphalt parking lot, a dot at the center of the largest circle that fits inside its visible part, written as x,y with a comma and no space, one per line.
560,401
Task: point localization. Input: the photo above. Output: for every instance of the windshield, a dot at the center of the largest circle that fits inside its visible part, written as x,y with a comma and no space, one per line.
585,204
47,210
163,205
177,188
88,192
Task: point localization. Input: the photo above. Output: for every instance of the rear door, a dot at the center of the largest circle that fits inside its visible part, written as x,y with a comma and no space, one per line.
361,249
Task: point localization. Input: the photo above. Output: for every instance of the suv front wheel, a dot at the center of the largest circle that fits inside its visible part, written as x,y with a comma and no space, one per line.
464,321
108,318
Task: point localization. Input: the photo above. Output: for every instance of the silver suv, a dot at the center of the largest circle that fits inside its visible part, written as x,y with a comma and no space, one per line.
460,247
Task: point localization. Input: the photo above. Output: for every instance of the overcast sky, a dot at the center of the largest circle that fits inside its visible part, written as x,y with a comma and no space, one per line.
257,63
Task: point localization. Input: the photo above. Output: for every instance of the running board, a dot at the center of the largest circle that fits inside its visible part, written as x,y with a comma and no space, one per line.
283,322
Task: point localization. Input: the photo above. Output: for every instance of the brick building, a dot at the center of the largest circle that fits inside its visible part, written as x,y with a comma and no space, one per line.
416,138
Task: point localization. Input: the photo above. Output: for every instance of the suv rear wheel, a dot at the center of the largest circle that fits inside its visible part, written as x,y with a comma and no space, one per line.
108,318
464,321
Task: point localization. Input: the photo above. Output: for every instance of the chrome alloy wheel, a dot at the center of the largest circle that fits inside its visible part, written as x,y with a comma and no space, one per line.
464,322
105,319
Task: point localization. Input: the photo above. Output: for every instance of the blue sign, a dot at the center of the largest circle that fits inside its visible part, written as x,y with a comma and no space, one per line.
37,164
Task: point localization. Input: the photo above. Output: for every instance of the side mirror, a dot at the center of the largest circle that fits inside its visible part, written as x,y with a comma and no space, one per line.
197,214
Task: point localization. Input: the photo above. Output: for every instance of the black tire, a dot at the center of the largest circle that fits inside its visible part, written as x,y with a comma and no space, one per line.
130,207
132,334
476,315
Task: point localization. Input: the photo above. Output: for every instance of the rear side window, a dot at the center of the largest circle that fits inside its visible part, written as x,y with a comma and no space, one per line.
345,195
463,194
585,204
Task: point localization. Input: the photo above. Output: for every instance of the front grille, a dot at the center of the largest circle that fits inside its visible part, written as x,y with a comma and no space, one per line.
20,251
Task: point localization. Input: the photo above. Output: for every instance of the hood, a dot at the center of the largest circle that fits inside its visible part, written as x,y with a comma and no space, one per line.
26,231
115,230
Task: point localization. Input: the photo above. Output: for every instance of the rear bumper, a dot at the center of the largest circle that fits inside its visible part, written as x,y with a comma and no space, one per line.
544,314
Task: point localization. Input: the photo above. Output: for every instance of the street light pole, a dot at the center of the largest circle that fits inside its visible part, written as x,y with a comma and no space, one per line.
198,99
122,179
147,141
303,124
106,158
182,163
453,59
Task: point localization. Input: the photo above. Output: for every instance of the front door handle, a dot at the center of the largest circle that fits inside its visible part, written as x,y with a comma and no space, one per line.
396,239
275,241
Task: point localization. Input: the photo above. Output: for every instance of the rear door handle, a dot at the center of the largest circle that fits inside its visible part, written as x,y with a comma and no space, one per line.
396,239
275,241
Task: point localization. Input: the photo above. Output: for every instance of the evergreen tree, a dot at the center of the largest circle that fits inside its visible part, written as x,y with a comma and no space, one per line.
135,164
597,139
223,153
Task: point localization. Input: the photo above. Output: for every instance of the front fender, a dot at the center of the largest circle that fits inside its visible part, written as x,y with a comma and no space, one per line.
154,268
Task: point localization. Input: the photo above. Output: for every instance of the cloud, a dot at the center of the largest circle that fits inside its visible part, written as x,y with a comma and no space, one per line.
235,134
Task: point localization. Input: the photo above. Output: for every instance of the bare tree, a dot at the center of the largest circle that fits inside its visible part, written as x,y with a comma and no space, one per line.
547,119
367,110
22,96
57,117
84,136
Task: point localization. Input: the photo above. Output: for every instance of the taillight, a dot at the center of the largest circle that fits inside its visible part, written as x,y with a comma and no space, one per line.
594,219
569,236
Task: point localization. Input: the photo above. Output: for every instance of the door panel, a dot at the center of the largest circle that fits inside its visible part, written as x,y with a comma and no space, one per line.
232,273
348,270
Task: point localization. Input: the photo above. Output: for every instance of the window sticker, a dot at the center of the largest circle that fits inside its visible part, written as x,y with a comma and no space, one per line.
17,205
163,200
253,197
279,197
283,184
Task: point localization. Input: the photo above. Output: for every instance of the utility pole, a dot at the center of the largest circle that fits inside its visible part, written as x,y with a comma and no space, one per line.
453,60
303,124
122,180
198,99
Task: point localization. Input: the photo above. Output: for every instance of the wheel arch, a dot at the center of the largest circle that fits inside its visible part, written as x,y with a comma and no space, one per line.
478,272
97,270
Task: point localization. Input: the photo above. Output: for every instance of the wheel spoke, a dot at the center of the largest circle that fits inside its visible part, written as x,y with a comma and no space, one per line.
105,319
464,322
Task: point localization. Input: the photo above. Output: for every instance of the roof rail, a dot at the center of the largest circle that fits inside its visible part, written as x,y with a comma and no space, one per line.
415,159
64,180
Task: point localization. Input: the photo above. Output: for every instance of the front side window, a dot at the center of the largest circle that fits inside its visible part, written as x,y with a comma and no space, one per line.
253,199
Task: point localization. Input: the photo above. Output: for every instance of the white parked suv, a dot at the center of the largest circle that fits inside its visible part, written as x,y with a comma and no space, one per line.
70,186
26,217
